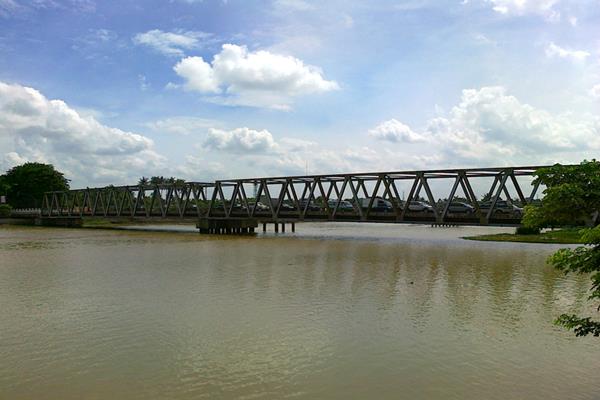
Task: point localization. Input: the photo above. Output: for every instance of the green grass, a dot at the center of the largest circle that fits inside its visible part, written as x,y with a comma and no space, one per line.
562,236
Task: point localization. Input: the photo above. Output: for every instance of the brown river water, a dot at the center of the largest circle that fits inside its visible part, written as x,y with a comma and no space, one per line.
333,311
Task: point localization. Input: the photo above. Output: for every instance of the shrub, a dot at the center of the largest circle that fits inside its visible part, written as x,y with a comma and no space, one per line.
5,210
527,230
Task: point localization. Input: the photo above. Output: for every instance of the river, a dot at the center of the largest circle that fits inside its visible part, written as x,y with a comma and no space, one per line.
333,311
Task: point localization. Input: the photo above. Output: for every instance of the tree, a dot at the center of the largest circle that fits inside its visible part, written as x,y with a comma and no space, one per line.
3,186
160,180
572,197
27,183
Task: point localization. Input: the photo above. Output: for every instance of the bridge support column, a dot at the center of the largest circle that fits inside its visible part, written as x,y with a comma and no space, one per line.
283,227
293,227
226,226
276,227
264,227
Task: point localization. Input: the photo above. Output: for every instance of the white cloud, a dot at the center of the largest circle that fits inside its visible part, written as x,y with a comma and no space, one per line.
197,169
199,75
50,131
552,50
183,125
595,91
171,43
396,132
544,8
489,126
240,141
294,144
252,78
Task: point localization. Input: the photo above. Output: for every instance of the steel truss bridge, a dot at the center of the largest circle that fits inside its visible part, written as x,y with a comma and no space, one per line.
310,198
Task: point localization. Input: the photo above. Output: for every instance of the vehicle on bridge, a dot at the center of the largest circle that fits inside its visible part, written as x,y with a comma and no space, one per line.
259,206
309,205
458,207
418,206
502,207
378,205
344,206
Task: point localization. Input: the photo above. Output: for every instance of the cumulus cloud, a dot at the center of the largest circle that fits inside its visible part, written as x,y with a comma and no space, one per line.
489,126
240,141
396,132
171,43
47,130
252,78
552,50
544,8
199,75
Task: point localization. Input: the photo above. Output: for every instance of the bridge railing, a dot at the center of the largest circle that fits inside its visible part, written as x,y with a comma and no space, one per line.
335,197
25,212
190,199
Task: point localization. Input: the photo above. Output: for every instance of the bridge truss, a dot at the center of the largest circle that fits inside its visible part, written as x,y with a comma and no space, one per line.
335,197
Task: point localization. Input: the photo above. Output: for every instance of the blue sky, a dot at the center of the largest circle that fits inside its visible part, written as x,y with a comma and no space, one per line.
109,91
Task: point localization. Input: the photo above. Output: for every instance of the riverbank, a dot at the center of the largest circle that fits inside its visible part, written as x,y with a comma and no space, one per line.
561,236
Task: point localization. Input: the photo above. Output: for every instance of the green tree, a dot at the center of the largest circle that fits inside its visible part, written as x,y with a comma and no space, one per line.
157,180
160,180
572,197
3,186
27,183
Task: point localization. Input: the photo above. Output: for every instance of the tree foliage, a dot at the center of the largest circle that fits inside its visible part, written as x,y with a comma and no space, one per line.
582,260
25,184
160,180
572,197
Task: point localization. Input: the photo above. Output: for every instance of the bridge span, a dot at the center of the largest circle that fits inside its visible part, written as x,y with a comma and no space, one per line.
473,196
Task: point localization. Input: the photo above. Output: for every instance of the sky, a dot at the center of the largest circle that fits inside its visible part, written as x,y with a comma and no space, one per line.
109,91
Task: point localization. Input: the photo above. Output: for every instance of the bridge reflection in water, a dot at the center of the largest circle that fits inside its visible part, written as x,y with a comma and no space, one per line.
239,205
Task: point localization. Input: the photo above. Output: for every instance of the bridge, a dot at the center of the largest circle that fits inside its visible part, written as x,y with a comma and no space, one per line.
240,205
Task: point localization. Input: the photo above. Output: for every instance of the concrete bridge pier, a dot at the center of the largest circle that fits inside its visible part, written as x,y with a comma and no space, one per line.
229,226
277,226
